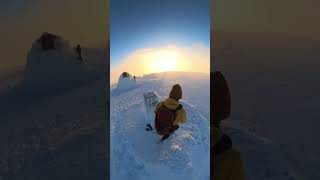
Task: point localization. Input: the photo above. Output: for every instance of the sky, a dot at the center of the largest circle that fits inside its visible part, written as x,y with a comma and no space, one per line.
295,17
156,23
86,22
21,22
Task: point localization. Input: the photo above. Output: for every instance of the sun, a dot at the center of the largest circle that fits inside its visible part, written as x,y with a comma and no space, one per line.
167,61
163,60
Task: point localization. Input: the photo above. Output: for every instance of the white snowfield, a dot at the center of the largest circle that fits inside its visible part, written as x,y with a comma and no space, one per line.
135,154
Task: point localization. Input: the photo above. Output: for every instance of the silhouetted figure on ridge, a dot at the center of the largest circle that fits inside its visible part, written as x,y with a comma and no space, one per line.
78,49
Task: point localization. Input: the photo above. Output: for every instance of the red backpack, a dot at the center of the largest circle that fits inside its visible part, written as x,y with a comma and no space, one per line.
165,118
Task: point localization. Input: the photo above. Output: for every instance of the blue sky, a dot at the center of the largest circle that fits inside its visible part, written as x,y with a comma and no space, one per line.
153,23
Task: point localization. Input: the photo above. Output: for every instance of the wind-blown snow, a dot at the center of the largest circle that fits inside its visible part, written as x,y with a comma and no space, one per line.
135,153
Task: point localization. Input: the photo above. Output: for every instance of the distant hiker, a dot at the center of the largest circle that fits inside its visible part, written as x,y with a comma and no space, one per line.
169,113
227,161
78,49
134,77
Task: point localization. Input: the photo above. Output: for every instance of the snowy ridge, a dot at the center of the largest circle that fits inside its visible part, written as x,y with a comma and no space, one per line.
50,73
52,67
56,70
56,110
134,151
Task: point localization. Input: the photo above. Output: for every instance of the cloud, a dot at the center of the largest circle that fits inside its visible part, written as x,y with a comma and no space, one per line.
193,58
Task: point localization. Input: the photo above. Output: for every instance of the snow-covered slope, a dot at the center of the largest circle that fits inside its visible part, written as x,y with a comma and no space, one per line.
274,82
50,66
59,69
53,118
54,71
135,154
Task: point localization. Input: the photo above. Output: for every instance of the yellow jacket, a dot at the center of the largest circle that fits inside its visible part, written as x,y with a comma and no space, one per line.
173,104
228,165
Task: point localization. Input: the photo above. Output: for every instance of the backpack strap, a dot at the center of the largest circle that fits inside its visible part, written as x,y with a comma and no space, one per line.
173,110
158,107
179,107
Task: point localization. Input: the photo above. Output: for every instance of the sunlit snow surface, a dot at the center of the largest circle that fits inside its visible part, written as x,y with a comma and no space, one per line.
135,153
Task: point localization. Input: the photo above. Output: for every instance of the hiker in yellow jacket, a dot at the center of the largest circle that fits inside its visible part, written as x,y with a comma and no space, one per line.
169,113
226,161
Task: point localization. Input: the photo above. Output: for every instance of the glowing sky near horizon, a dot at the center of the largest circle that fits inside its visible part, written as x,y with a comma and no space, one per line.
194,58
156,36
21,22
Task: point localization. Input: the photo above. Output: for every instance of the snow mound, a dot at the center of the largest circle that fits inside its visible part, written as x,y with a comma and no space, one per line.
126,81
135,154
52,65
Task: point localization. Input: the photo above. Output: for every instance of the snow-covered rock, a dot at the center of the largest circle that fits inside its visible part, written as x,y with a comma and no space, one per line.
52,64
58,64
151,100
126,81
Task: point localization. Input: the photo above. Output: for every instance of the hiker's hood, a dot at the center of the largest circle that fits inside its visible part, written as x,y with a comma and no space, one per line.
216,135
176,92
171,103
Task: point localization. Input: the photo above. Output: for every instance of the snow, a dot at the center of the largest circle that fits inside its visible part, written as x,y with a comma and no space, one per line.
53,66
151,100
53,116
274,123
54,71
135,153
125,83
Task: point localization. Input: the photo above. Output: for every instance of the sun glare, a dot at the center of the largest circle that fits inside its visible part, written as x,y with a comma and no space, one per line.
163,60
170,58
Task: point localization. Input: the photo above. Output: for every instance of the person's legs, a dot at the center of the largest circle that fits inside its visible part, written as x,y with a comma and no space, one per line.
149,127
165,137
174,128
